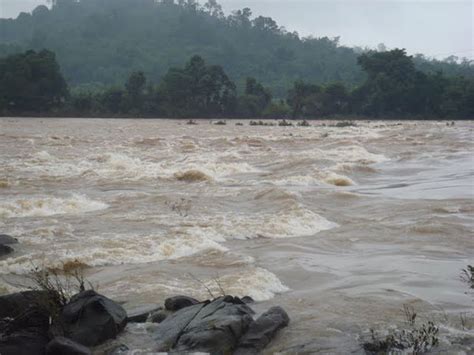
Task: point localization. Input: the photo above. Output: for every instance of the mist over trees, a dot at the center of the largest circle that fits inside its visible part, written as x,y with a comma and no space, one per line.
100,42
149,58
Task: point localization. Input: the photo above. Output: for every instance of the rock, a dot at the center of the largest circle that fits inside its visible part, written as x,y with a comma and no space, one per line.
65,346
26,334
159,316
262,331
247,300
14,304
142,313
169,331
212,327
90,318
5,250
6,239
122,349
23,342
179,302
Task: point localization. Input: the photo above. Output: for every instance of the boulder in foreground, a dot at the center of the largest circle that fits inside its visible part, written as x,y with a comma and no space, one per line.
90,319
262,331
221,326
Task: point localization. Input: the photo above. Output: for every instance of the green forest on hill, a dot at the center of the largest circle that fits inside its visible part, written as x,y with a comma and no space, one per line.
132,58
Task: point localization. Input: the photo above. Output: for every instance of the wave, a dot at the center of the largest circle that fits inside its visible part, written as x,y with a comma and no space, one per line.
289,223
256,282
112,250
40,206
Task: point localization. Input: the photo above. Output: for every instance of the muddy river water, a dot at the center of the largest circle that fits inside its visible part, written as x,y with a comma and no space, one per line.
341,226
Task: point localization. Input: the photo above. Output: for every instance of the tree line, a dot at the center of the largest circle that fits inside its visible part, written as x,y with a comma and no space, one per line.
31,83
97,42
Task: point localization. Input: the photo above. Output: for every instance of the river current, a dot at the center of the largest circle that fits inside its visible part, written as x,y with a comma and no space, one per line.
341,226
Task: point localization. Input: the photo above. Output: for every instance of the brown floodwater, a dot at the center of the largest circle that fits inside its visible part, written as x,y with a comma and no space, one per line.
340,226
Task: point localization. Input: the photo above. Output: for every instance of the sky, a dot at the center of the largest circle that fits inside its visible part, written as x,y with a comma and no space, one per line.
436,28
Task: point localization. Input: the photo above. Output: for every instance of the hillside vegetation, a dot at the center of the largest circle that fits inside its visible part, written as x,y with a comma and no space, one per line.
100,42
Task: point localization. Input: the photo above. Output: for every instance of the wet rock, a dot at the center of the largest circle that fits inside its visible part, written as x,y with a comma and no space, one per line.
14,304
159,316
212,327
169,331
247,299
25,334
23,342
65,346
5,250
122,349
142,313
7,240
179,302
90,318
262,331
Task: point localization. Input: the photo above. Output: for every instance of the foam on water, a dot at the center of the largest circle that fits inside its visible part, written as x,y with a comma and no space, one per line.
256,282
112,250
290,223
41,206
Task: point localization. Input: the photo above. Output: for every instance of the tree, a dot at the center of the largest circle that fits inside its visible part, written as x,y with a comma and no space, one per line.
255,100
304,99
31,82
198,90
135,87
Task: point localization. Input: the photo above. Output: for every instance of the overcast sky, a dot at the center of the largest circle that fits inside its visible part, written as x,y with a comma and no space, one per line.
434,27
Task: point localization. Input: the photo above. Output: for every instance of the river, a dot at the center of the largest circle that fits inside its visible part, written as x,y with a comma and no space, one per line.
341,226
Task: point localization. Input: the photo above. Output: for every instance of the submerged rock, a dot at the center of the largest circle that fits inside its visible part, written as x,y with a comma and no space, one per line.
5,250
65,346
5,242
91,319
179,302
6,239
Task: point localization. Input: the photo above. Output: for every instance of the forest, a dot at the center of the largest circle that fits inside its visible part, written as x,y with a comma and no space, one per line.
147,58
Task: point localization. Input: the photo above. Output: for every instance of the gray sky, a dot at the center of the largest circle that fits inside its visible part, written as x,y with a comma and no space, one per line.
433,27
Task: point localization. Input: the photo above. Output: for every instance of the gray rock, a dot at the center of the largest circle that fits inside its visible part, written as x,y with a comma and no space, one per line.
14,304
159,316
142,313
64,346
179,302
6,239
212,327
216,329
26,334
247,299
5,250
262,331
122,349
90,319
24,342
169,331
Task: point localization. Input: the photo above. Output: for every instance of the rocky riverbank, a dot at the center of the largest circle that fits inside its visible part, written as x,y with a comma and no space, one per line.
35,322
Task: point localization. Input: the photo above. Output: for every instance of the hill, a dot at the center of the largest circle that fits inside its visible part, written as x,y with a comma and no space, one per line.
100,42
